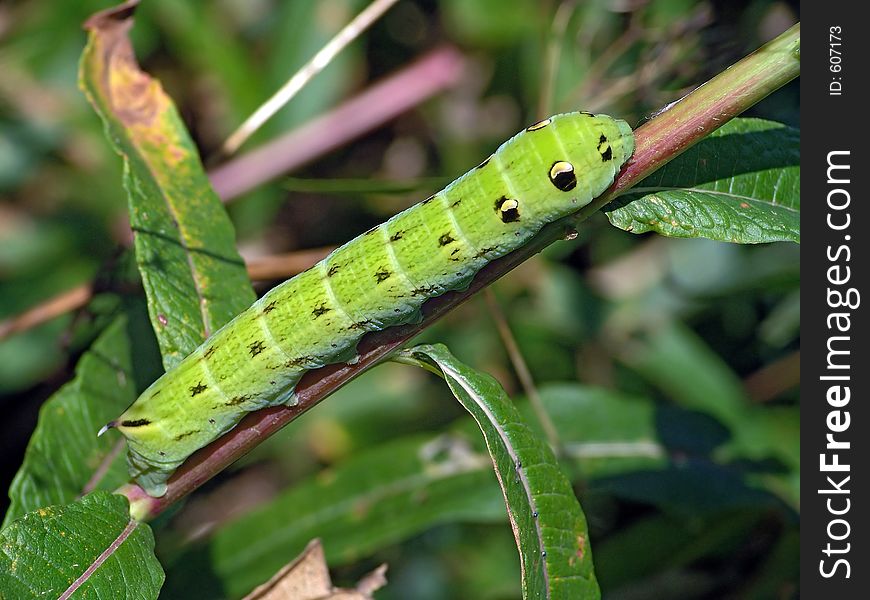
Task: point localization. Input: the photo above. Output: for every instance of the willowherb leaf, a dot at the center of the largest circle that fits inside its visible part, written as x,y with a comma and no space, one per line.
65,458
741,184
88,549
548,523
193,276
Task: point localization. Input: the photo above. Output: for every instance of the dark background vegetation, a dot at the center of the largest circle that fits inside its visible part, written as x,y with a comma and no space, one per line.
673,323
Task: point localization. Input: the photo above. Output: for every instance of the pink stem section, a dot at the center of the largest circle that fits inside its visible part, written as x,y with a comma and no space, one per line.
657,142
375,106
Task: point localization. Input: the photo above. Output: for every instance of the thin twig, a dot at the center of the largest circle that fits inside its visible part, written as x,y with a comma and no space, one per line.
554,55
383,101
318,62
46,311
284,266
263,268
771,381
522,370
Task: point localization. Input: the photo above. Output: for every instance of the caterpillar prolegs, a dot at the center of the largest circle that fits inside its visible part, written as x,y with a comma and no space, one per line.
377,280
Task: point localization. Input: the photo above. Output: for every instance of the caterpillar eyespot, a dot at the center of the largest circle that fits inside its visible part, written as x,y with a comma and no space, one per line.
377,280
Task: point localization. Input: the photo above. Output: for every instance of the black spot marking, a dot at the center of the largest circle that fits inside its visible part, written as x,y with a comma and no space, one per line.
607,154
508,210
212,421
382,275
206,355
161,453
332,270
484,251
602,139
484,163
197,389
455,250
320,311
455,204
235,401
397,236
562,176
136,423
360,324
300,361
426,290
428,200
256,348
445,239
539,125
181,436
270,307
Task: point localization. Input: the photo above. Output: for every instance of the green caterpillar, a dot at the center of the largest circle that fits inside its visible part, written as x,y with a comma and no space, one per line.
377,280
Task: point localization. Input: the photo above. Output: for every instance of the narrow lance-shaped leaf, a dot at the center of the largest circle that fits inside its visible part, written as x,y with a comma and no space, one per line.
548,523
88,549
193,276
741,184
65,457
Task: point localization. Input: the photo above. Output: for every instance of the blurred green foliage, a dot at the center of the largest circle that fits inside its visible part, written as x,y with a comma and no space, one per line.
674,336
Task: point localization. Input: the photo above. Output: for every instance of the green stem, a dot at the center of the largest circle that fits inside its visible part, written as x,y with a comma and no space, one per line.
658,141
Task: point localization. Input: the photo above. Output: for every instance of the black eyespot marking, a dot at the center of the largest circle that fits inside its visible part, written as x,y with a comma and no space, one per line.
237,400
320,311
206,355
332,270
397,236
136,423
212,421
428,200
382,275
256,348
270,307
197,389
181,436
508,210
484,163
539,125
562,176
445,239
607,153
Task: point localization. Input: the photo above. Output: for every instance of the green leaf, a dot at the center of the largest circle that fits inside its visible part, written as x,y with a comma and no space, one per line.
616,434
374,499
65,457
548,523
741,184
193,276
704,382
88,549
